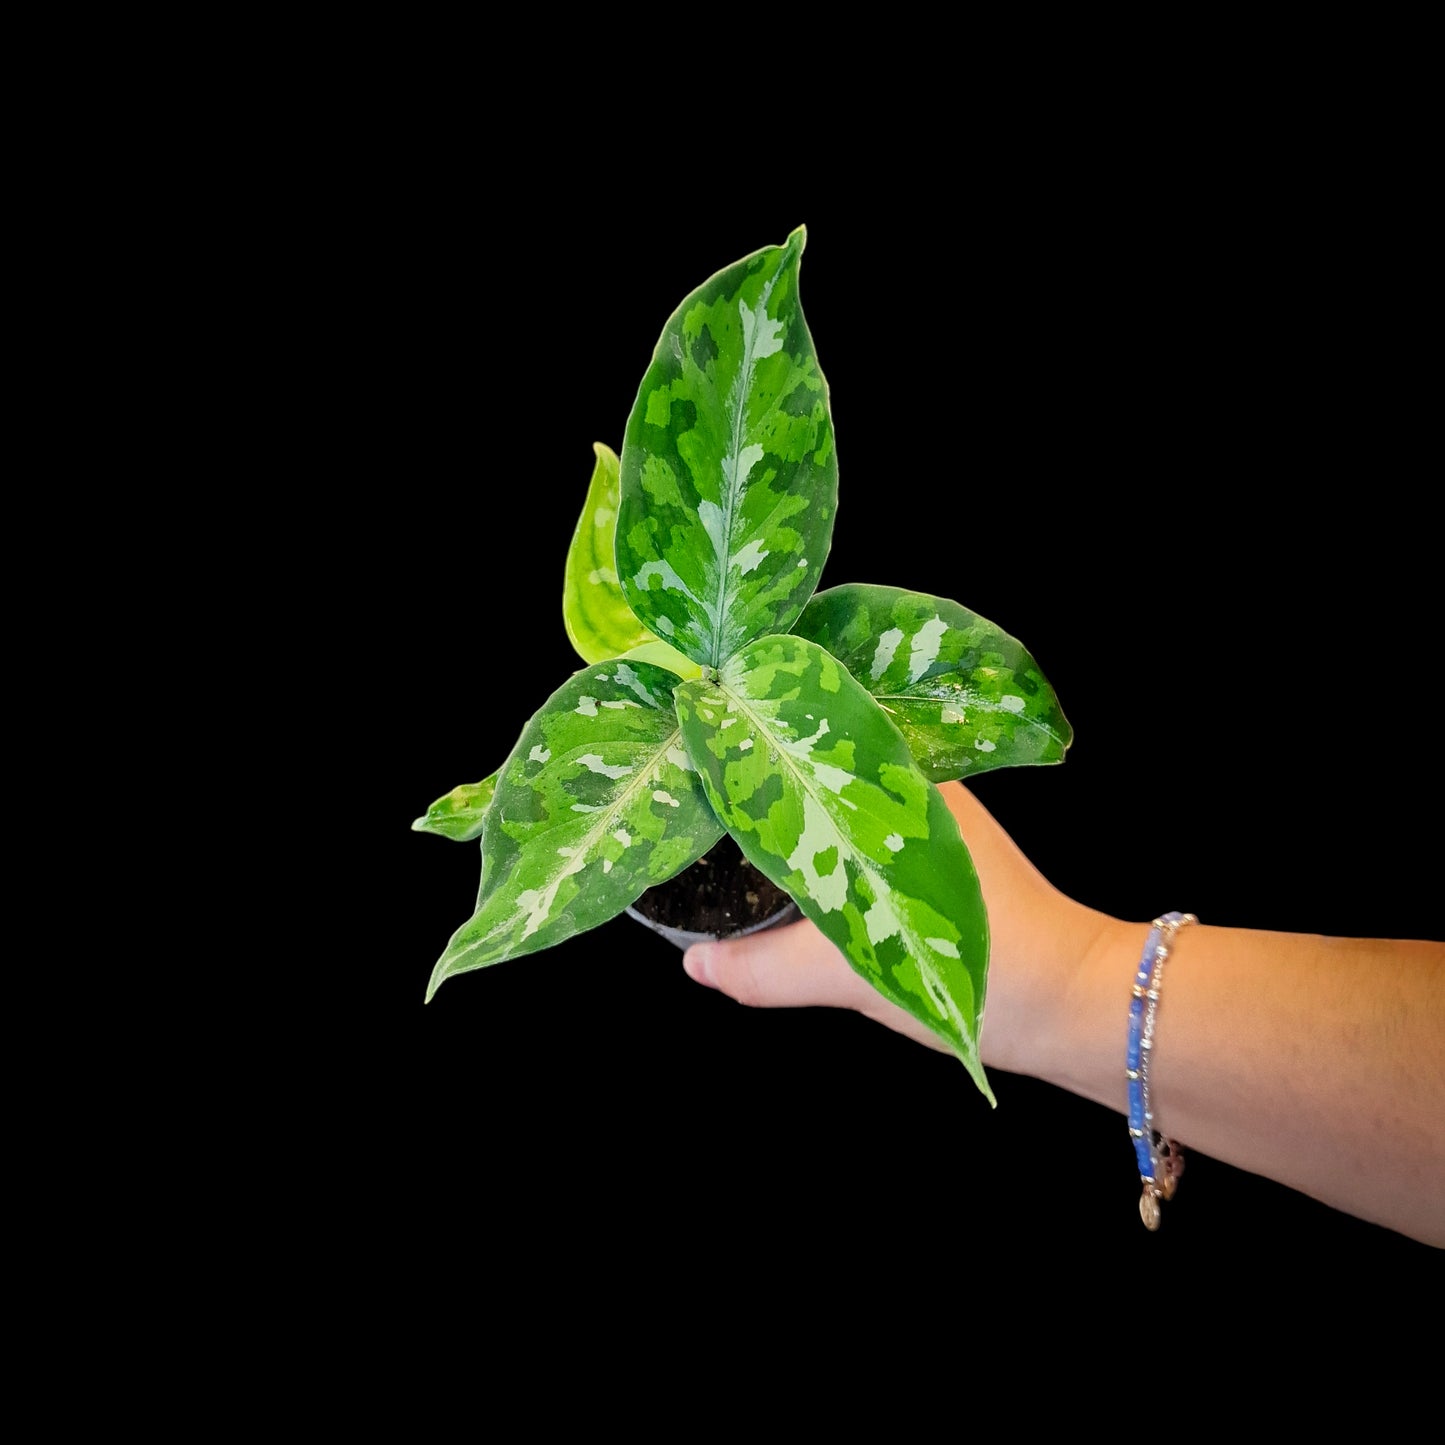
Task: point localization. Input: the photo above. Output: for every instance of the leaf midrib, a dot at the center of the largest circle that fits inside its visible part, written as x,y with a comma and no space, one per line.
741,390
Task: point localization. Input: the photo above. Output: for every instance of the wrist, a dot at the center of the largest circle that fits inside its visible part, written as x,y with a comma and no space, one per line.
1079,1044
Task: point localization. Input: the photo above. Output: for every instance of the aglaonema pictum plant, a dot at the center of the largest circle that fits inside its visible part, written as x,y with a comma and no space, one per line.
722,692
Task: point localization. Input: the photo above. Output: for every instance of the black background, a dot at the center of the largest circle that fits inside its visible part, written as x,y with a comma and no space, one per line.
1161,416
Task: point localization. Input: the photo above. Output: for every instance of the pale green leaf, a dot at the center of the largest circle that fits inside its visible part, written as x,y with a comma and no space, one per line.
660,654
599,623
459,814
598,620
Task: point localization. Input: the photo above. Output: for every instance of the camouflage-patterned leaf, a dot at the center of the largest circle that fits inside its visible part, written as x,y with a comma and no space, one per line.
596,803
965,694
728,475
599,623
822,794
460,813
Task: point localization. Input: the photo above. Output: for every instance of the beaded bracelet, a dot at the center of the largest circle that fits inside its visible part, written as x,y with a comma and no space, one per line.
1161,1161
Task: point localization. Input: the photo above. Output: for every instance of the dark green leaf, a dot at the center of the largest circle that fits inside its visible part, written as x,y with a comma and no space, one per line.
966,695
728,474
597,802
822,794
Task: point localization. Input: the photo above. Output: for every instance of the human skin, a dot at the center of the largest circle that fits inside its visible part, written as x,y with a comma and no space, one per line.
1315,1061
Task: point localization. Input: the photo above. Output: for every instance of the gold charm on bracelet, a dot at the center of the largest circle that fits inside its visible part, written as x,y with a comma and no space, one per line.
1149,1207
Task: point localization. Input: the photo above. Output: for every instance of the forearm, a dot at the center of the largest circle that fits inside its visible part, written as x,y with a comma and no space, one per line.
1318,1062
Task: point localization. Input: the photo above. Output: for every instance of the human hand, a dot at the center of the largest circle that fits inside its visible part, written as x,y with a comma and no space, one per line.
1037,938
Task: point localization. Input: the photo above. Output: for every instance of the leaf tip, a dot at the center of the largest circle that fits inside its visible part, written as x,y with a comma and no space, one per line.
976,1073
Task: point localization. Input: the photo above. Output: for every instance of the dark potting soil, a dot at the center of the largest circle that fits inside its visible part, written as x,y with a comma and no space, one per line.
721,893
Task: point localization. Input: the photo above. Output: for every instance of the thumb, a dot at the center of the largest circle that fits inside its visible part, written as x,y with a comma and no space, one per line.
793,966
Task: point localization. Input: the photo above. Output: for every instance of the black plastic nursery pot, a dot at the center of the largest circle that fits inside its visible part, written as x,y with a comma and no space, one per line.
722,895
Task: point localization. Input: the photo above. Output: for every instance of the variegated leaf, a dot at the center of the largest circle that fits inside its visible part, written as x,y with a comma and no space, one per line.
822,794
596,803
599,623
460,813
965,694
728,475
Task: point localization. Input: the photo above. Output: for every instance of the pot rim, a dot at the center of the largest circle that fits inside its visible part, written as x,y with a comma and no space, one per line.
683,937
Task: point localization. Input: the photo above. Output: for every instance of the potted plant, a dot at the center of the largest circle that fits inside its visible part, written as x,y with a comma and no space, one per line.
724,696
